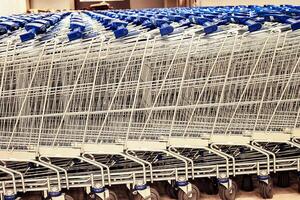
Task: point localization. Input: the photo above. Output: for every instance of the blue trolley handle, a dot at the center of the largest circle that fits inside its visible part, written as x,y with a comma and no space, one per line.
164,26
3,30
32,30
75,34
294,23
252,25
208,25
9,25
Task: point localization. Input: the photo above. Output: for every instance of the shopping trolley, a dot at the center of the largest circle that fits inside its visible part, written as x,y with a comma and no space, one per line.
152,98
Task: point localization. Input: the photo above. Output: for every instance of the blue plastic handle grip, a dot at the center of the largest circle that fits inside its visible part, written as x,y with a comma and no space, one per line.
115,25
148,24
160,22
106,21
20,22
75,25
28,19
209,28
36,27
51,20
253,26
44,22
28,35
166,29
3,30
198,20
121,32
295,24
11,26
276,17
75,34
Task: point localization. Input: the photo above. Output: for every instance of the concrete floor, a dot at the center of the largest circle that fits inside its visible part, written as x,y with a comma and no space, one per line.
290,193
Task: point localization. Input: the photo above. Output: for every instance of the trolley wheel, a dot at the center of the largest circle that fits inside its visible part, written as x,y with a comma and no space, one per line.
112,196
283,179
266,190
76,193
171,191
154,195
299,185
211,187
247,183
32,196
159,187
67,197
130,196
195,194
228,193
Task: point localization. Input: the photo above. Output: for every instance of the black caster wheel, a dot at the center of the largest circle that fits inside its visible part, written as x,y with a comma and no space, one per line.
32,196
247,183
201,184
67,197
228,193
195,194
112,196
154,195
266,190
76,193
159,187
171,191
298,185
283,179
212,186
129,194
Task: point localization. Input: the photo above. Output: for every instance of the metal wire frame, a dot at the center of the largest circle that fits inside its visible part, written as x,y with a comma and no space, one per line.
104,91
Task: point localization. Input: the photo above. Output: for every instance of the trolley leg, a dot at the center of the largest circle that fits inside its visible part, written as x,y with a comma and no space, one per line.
101,193
265,187
187,190
55,196
298,182
227,189
142,192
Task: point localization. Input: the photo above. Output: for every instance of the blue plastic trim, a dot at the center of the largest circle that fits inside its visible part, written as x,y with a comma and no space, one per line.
75,34
253,26
11,26
10,197
295,24
27,36
210,29
98,190
36,27
121,32
54,194
263,178
44,22
223,180
166,29
181,183
3,30
140,187
75,25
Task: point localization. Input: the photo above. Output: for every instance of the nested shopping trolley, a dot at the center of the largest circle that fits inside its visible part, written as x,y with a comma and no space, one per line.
150,100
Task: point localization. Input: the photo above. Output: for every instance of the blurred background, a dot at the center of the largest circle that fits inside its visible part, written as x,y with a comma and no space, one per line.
21,6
